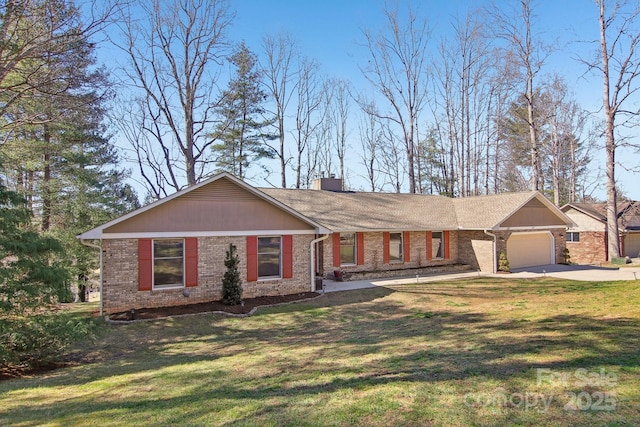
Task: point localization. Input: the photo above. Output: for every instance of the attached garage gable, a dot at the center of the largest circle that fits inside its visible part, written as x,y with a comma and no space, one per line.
530,249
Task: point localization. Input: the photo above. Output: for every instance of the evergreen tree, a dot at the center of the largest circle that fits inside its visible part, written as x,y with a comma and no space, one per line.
231,284
31,280
243,136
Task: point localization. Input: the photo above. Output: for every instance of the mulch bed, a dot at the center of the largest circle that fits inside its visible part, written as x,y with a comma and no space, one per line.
205,307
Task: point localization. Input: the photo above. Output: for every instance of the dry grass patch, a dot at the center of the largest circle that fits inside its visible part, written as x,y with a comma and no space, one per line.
450,353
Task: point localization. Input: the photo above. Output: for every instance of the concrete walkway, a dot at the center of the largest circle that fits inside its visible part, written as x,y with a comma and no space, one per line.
572,272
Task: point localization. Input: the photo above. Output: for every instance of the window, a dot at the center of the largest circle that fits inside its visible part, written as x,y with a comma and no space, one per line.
269,257
168,263
395,247
347,248
437,245
573,236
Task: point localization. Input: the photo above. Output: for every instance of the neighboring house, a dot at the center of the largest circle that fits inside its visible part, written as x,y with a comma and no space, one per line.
587,241
171,252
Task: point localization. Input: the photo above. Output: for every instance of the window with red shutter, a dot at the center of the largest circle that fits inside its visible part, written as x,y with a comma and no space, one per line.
336,249
360,250
252,258
191,261
145,265
287,257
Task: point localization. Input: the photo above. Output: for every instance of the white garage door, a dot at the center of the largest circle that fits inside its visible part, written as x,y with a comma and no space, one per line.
529,249
632,245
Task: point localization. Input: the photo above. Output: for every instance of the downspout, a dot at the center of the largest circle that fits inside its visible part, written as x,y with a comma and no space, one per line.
493,253
99,247
312,269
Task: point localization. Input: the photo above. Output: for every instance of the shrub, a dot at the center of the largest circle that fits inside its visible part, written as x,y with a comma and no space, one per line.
231,284
503,263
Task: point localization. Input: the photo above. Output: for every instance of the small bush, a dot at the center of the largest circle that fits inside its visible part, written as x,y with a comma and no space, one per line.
231,284
503,263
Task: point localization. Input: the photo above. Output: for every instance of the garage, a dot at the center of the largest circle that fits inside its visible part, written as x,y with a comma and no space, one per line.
530,249
632,245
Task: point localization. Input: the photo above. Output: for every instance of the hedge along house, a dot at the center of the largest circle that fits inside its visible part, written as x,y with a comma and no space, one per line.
172,252
587,241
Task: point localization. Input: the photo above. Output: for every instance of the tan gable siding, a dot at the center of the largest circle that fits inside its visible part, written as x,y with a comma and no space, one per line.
584,222
218,206
533,213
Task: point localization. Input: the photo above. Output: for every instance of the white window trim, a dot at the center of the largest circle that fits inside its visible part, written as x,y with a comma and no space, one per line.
572,233
269,278
441,244
355,250
401,260
153,267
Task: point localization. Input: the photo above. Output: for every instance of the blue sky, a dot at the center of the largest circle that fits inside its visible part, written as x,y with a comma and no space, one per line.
330,32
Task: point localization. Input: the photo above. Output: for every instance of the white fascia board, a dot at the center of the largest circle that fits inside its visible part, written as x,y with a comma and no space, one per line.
177,234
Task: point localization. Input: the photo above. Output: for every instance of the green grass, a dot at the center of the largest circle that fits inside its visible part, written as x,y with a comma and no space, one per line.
445,354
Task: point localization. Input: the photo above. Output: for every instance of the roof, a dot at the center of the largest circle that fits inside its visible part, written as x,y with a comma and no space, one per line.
354,211
628,213
351,211
487,212
345,211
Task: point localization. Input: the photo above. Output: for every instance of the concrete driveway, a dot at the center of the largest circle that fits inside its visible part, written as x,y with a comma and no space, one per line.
585,273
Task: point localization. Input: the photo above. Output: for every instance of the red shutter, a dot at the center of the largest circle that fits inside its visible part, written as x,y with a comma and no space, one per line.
145,264
406,251
191,261
252,258
360,248
385,247
445,238
336,249
429,246
287,257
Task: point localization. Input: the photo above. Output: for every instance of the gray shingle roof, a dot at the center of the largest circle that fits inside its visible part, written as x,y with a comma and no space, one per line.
349,211
485,212
628,212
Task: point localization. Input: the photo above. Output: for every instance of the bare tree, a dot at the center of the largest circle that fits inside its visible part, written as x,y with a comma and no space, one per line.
369,130
339,105
513,25
392,163
33,32
308,117
280,72
397,70
175,56
619,65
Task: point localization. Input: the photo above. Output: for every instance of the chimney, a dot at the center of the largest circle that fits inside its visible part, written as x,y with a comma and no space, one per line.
329,184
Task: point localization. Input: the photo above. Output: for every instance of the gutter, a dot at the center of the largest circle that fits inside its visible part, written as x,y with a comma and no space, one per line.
99,247
312,251
493,255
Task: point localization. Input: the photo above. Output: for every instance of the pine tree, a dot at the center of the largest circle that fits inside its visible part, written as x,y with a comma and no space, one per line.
243,137
231,284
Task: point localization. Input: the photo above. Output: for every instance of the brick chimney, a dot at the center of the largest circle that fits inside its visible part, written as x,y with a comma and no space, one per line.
330,184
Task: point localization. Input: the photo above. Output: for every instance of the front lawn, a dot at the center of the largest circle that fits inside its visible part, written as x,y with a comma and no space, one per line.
497,352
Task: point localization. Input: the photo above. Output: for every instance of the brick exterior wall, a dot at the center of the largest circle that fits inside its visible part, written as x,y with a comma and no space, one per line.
373,255
591,249
120,275
475,248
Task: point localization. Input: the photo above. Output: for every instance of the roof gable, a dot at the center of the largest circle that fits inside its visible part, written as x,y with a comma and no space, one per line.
222,203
